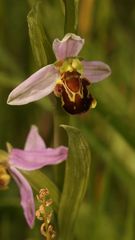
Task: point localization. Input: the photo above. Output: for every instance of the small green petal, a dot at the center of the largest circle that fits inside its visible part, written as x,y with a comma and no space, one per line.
70,65
3,157
76,64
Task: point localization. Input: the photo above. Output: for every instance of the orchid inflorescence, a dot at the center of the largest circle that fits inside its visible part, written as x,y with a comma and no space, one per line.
69,78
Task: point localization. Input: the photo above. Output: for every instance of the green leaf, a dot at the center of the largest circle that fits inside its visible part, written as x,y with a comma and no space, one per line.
75,184
36,39
41,46
71,7
39,180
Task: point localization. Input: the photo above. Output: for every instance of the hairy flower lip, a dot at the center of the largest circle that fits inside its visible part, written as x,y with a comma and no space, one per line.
30,159
43,82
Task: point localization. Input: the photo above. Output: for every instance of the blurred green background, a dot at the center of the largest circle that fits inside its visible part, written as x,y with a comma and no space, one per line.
108,210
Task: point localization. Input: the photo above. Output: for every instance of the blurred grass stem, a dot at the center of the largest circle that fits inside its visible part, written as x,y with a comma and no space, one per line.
85,17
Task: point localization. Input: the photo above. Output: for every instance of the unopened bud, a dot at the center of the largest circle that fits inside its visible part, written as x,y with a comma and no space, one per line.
38,215
42,193
4,178
48,202
49,217
43,229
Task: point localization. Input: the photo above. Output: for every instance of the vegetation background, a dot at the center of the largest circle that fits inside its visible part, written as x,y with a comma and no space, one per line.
108,210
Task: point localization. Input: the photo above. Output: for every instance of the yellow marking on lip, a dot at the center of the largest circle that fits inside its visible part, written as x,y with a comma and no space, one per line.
93,104
72,98
59,81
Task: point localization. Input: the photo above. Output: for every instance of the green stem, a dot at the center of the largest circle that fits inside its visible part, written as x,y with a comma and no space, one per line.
60,117
60,138
70,16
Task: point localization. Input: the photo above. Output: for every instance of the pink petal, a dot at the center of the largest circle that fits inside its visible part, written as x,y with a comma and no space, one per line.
34,140
31,160
37,86
69,46
27,200
95,71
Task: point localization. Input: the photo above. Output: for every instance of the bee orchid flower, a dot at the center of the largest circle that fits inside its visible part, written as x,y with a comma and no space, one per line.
69,78
34,156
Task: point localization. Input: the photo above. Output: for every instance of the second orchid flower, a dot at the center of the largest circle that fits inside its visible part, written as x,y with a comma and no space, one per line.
34,156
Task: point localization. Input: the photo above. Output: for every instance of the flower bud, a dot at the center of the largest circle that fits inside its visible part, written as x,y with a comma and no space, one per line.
4,178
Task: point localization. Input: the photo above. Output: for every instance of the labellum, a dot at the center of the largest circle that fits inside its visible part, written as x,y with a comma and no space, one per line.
74,93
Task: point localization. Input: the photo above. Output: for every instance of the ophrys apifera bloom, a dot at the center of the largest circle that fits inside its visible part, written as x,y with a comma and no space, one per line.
69,78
